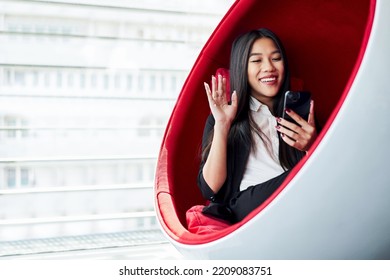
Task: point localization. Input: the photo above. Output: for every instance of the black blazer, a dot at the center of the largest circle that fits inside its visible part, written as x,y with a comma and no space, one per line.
237,157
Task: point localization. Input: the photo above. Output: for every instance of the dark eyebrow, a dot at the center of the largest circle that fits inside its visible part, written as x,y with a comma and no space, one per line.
275,51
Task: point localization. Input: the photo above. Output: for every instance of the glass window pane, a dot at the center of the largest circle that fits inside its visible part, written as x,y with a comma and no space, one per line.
83,109
10,174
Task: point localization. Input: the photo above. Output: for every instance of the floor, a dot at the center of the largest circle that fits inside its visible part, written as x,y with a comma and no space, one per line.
137,245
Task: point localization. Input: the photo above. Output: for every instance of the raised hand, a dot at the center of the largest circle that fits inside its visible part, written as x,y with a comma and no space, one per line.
222,111
214,169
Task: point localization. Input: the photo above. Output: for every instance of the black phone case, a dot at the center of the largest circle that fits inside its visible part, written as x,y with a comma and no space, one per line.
297,101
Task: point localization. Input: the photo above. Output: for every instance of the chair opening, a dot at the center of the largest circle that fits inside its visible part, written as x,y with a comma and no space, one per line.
324,40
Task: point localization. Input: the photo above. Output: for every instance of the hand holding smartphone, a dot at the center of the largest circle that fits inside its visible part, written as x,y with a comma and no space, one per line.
297,101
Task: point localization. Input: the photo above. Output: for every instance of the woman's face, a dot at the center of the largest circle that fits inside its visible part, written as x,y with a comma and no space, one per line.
265,70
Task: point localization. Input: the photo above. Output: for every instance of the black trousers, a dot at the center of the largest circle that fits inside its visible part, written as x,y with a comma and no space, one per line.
247,200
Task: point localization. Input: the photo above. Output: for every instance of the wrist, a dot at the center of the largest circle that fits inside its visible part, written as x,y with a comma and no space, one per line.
222,127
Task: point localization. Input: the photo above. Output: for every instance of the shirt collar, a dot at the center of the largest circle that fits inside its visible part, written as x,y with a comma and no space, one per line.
256,106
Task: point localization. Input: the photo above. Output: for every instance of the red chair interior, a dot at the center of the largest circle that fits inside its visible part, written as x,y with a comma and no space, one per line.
325,41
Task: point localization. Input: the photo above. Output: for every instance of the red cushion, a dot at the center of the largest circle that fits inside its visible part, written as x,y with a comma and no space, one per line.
199,223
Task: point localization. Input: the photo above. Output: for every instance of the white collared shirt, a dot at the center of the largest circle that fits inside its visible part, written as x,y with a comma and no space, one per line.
263,163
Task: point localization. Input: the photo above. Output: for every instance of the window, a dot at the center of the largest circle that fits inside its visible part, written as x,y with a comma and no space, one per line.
117,81
20,78
70,80
10,174
8,77
140,82
47,79
24,177
106,81
173,82
10,122
152,85
93,80
82,80
143,125
59,79
129,82
35,78
83,112
24,132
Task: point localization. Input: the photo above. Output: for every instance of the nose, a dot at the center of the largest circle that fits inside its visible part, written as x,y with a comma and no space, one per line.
268,65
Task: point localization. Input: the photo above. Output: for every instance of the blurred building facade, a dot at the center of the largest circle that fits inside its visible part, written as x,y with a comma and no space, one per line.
86,88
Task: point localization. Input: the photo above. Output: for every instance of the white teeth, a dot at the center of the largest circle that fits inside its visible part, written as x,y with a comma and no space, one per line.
267,80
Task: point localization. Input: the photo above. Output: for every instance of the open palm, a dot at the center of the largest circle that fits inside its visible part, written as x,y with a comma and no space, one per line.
222,111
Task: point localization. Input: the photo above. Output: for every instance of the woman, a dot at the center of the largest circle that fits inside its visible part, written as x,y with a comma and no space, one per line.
247,148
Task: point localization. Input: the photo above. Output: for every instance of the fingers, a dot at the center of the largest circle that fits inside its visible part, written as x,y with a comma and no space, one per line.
296,117
298,141
209,94
291,133
234,99
217,93
311,120
298,136
234,103
214,87
218,86
302,122
221,85
291,142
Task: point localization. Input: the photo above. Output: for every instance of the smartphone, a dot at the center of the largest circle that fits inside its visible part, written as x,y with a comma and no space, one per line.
297,101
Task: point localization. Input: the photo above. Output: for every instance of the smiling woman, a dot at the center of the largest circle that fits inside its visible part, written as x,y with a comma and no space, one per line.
320,210
244,159
265,70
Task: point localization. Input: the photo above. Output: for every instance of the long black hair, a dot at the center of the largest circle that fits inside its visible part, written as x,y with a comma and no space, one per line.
243,125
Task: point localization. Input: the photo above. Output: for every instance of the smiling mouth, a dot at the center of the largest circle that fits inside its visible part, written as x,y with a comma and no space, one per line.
268,79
